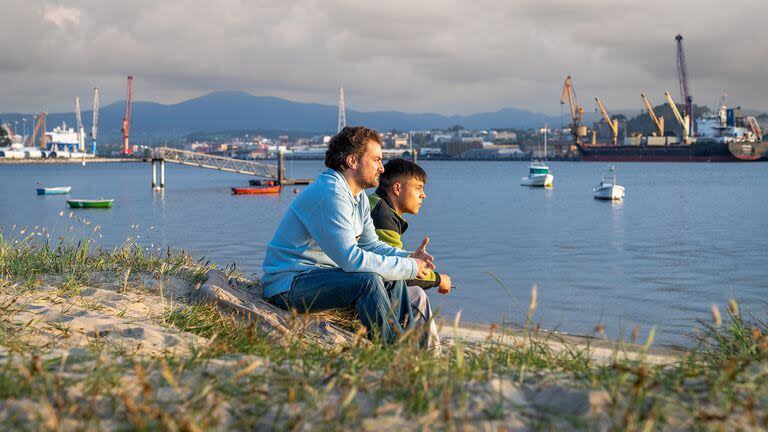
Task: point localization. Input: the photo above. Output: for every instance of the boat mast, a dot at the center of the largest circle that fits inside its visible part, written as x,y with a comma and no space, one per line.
545,141
95,124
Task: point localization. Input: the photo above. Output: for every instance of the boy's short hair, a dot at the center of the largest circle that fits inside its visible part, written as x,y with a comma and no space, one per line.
349,141
397,169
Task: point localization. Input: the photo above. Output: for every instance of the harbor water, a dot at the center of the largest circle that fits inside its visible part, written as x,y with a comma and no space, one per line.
687,235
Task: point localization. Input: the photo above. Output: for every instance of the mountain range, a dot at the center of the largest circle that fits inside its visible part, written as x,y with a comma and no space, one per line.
230,110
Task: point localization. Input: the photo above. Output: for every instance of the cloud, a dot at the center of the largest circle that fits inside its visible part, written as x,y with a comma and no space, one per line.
61,16
432,55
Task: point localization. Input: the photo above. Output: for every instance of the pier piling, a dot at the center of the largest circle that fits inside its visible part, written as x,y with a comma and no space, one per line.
280,168
155,185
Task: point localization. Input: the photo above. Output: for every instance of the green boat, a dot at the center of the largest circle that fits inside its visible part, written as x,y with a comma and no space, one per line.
85,203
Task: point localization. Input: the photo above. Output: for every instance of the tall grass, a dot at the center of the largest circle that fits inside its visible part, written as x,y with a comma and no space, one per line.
33,256
286,381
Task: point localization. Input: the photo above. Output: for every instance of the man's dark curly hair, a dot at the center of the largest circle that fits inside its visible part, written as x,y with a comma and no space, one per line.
349,141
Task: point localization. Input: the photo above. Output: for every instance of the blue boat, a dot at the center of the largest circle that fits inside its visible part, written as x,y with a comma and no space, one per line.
61,190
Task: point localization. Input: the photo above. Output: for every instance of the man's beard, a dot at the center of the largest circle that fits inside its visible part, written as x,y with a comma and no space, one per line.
370,183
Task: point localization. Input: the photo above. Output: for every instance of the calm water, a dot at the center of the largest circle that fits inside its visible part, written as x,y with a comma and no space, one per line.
687,236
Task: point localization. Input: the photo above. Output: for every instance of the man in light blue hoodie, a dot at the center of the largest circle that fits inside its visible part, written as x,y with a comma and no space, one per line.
326,254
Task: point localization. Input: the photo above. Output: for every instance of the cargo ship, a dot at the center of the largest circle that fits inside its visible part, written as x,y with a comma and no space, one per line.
723,136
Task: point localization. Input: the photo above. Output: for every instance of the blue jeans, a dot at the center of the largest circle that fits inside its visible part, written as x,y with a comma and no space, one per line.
383,307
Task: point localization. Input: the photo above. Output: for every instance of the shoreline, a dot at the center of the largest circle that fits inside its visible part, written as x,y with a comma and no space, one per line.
124,339
67,161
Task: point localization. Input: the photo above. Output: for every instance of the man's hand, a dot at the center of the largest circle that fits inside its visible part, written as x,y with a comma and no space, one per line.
445,284
421,252
423,268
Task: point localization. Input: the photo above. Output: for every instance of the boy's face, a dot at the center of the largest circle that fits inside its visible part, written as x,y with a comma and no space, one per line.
409,194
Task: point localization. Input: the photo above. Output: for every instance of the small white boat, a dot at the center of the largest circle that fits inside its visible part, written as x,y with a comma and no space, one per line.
538,173
538,176
608,189
60,190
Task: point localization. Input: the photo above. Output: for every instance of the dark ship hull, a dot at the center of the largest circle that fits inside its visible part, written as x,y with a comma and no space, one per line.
749,151
699,151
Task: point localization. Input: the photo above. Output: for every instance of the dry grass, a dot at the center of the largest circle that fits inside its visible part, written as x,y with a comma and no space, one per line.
243,377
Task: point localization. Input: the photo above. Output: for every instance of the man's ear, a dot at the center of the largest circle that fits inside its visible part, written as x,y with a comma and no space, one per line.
351,161
397,188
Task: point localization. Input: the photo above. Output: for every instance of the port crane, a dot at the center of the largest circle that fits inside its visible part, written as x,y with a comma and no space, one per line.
95,125
658,121
127,119
612,124
577,111
80,130
684,120
682,77
755,127
38,120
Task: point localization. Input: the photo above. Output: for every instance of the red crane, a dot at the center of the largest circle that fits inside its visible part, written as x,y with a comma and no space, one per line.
127,118
682,76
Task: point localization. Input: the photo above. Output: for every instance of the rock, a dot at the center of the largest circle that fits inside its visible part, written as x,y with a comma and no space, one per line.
246,303
508,390
569,402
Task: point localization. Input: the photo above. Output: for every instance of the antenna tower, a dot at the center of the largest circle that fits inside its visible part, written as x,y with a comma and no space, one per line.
127,118
342,111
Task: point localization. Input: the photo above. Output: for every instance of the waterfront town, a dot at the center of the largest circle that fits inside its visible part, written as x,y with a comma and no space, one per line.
454,143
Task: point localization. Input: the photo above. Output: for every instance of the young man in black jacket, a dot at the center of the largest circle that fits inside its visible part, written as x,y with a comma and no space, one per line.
400,191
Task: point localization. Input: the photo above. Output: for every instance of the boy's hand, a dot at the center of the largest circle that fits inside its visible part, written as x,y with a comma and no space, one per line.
445,284
423,268
421,252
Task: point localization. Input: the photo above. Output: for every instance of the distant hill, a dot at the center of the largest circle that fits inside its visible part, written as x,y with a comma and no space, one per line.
221,111
231,110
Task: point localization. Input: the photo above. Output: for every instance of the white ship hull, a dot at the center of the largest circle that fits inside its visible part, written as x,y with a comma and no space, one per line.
538,180
609,192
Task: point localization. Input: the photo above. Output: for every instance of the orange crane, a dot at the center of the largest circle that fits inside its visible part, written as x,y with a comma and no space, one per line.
38,123
127,119
658,121
612,124
577,111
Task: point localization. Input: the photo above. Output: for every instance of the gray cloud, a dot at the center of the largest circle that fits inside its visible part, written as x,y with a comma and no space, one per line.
433,55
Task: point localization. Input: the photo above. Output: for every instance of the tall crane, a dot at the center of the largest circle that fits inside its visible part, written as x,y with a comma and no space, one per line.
38,122
683,120
612,124
43,136
682,76
127,119
577,111
95,125
80,130
658,121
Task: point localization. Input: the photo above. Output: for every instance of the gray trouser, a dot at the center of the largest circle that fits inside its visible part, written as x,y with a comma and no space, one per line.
422,313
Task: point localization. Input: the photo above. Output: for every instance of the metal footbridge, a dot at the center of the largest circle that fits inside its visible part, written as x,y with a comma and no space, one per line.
251,168
220,163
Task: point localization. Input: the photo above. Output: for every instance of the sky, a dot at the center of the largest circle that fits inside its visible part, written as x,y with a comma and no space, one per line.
448,57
